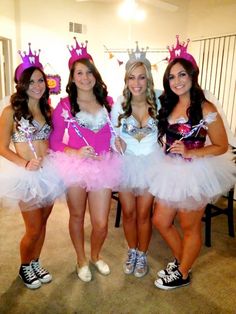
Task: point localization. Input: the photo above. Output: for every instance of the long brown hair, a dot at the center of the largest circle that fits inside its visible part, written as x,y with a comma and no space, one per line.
169,99
19,100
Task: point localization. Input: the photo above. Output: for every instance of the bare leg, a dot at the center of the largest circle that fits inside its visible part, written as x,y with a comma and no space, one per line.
163,219
76,201
128,205
190,223
46,211
35,228
144,224
99,207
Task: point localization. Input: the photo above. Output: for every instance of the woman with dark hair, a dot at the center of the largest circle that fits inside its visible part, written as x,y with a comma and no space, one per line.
27,178
81,141
134,115
190,173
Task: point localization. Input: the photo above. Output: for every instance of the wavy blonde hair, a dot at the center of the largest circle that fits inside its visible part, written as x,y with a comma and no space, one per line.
150,93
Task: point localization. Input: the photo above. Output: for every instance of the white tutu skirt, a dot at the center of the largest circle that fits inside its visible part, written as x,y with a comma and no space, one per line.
136,173
191,184
36,189
90,174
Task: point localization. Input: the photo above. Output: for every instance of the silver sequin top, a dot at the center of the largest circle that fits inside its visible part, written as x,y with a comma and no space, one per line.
39,133
131,126
93,122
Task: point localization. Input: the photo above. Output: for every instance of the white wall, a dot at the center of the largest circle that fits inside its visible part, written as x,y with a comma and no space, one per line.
211,18
46,27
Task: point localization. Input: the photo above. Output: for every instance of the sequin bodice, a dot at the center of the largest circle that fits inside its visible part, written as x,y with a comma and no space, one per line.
92,122
38,133
132,128
180,129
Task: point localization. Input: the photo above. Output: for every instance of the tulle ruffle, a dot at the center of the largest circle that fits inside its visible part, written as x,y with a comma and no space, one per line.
191,184
137,172
90,174
35,189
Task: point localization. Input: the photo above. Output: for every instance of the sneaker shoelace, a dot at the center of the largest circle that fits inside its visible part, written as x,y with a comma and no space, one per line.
141,261
171,277
29,273
171,266
39,270
131,258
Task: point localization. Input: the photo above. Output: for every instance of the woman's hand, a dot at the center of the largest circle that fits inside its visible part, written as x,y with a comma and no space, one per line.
33,164
87,152
120,145
178,147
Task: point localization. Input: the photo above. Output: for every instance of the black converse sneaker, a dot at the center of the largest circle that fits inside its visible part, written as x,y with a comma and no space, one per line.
28,276
42,274
170,268
172,281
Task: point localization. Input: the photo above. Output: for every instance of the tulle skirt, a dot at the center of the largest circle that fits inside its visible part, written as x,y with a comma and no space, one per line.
137,172
90,174
36,189
191,184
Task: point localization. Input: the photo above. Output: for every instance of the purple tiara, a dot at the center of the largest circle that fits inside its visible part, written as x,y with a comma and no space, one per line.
180,51
78,52
29,60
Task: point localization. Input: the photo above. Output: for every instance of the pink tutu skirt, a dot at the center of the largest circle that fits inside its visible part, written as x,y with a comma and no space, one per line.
35,188
191,184
90,174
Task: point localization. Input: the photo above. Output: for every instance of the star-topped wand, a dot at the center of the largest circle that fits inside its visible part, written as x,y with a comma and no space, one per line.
28,129
113,131
66,116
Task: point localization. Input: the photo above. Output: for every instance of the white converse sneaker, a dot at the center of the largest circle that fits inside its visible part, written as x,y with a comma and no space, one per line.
130,263
141,267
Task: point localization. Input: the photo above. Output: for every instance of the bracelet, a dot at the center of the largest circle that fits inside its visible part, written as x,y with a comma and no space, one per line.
26,164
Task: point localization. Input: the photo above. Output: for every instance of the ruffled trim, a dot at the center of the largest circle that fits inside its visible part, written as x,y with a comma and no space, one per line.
90,174
191,184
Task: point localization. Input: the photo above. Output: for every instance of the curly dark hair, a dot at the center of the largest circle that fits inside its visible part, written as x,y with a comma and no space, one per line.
150,93
99,89
19,100
169,99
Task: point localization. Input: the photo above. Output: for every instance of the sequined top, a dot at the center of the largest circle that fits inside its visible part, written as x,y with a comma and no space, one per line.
182,128
76,132
131,127
38,133
139,140
92,122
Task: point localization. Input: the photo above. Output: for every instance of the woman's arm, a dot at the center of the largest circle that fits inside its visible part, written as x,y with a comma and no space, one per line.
6,129
58,130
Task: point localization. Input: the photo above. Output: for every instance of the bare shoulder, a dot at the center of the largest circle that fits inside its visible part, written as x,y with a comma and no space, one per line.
208,107
7,118
8,111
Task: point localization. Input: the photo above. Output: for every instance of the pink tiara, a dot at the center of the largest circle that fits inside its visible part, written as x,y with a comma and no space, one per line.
138,55
180,51
78,52
29,60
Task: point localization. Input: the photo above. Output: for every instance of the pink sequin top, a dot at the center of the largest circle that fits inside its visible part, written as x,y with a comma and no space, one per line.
94,129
